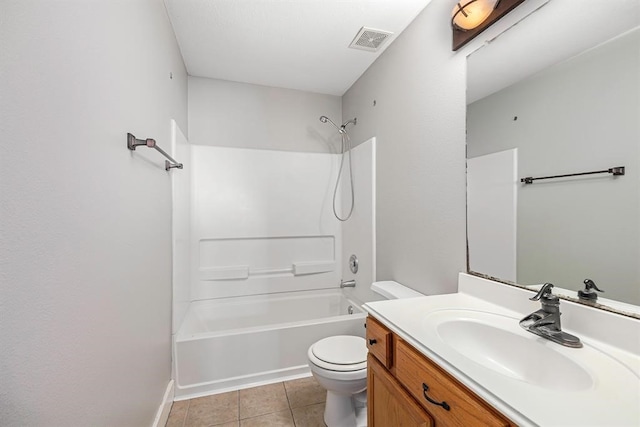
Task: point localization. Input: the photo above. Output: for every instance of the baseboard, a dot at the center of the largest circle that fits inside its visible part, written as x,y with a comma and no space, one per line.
165,407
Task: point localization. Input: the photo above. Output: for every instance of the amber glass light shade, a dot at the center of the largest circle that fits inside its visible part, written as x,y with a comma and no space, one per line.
469,14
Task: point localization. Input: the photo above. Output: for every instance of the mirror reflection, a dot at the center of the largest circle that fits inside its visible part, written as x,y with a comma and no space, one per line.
579,115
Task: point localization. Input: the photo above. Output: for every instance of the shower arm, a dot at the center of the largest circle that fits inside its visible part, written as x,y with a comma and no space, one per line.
354,121
342,128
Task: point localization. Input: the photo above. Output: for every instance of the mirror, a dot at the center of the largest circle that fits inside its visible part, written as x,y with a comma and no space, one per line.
544,105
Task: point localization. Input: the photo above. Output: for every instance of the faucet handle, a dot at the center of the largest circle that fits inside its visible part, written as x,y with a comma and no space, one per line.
588,293
590,284
545,293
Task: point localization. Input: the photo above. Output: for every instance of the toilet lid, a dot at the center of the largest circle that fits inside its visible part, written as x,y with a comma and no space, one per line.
341,350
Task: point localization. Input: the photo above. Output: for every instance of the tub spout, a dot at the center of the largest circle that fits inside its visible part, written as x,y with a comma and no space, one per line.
347,283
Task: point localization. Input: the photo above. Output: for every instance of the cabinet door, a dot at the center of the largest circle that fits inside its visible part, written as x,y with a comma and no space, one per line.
387,402
449,402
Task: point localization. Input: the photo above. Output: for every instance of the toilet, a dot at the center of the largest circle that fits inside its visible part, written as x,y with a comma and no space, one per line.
339,364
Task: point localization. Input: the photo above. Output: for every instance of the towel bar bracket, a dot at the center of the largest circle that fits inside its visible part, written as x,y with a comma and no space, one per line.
133,142
168,165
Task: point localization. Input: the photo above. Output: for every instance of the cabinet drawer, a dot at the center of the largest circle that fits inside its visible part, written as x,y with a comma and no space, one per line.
379,341
415,371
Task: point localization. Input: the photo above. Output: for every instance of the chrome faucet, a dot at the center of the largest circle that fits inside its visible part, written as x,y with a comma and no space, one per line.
546,321
348,283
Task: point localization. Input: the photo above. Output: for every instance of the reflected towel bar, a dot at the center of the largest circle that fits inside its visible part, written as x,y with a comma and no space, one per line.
619,170
133,142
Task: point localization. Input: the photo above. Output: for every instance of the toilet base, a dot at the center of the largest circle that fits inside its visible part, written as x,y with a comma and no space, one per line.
342,411
361,417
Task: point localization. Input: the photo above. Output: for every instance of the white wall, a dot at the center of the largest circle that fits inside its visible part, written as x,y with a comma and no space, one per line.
231,114
418,85
579,115
85,229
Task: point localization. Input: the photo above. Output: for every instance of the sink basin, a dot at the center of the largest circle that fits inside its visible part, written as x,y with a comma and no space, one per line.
497,342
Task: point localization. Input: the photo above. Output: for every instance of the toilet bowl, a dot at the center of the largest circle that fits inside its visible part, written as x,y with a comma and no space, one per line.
339,364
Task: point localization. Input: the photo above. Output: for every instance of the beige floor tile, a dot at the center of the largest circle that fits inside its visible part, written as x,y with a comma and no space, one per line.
309,416
231,424
276,419
213,410
304,392
178,414
263,400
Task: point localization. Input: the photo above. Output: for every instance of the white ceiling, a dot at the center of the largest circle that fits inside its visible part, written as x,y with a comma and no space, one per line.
555,32
296,44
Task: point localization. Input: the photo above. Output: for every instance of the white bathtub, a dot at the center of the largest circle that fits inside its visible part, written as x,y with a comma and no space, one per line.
232,343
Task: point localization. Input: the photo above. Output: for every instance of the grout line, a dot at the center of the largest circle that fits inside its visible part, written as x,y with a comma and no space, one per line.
286,393
264,415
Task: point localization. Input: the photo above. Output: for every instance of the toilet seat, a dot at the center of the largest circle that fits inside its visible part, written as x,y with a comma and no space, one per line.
341,353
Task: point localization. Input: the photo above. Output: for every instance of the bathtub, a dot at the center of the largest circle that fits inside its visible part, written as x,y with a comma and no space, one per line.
233,343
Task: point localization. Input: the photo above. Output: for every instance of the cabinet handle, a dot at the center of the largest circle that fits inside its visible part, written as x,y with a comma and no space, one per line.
372,342
425,389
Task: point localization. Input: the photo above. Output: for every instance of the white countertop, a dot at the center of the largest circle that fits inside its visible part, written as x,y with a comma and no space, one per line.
612,399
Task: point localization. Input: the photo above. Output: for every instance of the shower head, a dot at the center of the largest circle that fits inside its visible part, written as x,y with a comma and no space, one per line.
342,128
325,119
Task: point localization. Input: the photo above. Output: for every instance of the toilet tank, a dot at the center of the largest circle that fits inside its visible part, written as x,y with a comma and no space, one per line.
394,290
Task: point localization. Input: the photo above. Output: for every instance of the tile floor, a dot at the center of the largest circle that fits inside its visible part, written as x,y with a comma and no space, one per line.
297,403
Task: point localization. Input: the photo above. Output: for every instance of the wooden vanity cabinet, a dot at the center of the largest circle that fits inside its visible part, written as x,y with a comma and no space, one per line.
395,407
405,388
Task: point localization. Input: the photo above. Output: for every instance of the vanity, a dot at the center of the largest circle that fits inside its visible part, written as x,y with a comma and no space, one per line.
406,388
463,360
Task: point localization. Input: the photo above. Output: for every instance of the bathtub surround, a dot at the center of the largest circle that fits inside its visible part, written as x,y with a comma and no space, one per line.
181,228
249,235
85,223
359,233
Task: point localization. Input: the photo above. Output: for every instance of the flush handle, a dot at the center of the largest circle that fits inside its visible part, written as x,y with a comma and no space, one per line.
372,341
425,389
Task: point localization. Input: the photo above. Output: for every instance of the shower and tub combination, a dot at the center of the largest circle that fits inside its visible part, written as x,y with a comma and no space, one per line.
257,272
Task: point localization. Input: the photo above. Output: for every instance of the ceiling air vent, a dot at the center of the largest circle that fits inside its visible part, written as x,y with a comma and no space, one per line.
369,39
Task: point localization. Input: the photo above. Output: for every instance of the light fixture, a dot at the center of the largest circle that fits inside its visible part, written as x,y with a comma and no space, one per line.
469,14
471,17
